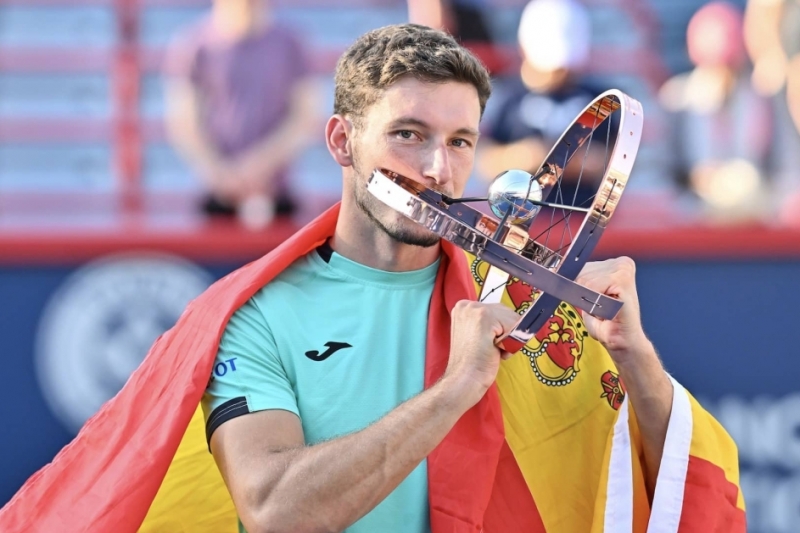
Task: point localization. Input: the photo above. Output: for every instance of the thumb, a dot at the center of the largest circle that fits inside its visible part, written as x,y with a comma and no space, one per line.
592,324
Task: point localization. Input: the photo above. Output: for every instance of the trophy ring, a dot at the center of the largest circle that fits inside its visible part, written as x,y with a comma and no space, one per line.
545,225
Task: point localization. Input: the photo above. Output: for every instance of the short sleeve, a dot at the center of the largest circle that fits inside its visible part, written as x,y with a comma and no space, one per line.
248,375
182,57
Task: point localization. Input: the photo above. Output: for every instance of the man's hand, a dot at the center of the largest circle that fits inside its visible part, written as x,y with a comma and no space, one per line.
225,182
646,382
236,180
623,336
256,172
474,355
280,484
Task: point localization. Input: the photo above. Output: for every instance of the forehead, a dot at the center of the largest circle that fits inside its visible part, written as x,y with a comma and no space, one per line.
449,104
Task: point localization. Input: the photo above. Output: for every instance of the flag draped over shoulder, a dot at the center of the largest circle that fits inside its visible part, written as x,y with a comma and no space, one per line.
553,446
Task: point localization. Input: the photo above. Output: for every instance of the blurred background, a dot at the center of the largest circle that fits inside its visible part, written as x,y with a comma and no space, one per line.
149,147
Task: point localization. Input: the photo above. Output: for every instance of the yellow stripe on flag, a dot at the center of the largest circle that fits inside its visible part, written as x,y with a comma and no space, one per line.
548,429
193,497
712,443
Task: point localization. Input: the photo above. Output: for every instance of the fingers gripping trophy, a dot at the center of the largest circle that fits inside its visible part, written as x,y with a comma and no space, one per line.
543,226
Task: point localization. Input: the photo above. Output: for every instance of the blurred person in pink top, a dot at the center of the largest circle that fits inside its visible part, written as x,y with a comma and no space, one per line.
240,106
726,136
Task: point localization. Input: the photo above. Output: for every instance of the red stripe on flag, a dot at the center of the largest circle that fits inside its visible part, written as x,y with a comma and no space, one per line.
709,501
107,477
511,509
461,468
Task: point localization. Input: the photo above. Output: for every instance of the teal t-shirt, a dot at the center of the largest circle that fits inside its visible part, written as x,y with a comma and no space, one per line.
340,345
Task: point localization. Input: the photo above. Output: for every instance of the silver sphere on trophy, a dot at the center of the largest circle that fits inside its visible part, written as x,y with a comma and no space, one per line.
547,223
516,195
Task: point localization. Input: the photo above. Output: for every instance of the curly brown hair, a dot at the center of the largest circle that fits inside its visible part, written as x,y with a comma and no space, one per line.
380,57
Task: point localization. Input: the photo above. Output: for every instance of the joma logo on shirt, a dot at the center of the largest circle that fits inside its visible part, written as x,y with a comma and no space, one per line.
332,346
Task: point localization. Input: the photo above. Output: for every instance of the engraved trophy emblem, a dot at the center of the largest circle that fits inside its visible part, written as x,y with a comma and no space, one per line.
539,228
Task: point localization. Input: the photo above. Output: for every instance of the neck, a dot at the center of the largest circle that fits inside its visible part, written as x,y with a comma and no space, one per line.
359,239
541,81
237,20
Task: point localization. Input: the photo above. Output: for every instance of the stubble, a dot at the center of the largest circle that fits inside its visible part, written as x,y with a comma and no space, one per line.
401,230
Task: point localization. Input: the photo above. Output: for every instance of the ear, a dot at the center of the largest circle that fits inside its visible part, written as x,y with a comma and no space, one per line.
338,131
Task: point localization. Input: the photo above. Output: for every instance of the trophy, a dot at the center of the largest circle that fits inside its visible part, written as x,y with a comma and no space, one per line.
545,225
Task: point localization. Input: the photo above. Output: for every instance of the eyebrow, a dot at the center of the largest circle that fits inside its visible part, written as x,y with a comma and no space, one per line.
411,121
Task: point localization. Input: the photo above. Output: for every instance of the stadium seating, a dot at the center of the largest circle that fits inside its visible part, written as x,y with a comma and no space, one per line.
68,69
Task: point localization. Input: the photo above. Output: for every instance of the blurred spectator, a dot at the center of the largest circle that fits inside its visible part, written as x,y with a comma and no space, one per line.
464,19
240,107
467,21
772,37
554,37
724,133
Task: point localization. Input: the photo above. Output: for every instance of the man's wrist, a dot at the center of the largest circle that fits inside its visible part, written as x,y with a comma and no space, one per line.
641,370
635,353
458,392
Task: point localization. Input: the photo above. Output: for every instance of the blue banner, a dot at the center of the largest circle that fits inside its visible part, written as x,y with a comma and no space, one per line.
726,330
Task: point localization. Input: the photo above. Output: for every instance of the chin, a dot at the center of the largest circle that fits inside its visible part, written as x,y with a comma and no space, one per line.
421,239
392,223
409,232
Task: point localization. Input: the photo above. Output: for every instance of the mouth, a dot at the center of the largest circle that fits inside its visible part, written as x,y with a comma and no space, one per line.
409,183
391,174
403,181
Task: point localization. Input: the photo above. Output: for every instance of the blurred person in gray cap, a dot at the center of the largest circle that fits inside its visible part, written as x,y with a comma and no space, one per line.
240,107
555,39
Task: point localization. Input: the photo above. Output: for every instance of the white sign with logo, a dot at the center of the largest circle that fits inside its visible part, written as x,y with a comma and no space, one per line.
99,325
767,433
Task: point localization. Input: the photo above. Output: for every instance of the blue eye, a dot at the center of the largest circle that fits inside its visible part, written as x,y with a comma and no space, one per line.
406,134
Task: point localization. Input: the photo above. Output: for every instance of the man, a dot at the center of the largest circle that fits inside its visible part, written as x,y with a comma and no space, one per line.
414,109
356,385
240,105
327,428
466,20
554,38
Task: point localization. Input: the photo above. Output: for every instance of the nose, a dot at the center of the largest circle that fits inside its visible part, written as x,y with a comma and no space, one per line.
437,166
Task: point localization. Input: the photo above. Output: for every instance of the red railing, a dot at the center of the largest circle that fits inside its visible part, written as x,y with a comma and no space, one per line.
226,242
132,221
126,82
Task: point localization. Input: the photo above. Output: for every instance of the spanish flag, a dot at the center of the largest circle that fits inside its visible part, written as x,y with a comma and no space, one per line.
552,447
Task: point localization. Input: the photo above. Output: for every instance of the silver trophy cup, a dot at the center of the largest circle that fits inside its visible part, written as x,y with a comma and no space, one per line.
543,226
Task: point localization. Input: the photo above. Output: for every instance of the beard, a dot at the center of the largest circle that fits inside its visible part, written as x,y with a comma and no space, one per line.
395,225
